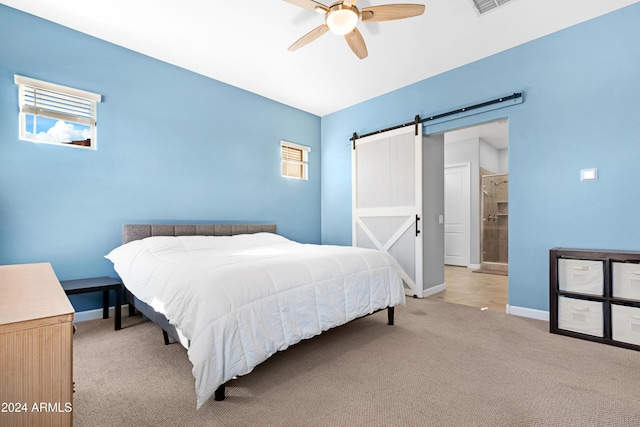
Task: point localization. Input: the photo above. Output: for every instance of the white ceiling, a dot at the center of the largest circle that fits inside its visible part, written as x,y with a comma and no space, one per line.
244,43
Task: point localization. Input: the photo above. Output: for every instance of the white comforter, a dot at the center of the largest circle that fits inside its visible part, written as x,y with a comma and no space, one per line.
240,299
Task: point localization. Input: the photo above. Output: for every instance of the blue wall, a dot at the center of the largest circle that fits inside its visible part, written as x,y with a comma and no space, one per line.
172,146
581,110
212,153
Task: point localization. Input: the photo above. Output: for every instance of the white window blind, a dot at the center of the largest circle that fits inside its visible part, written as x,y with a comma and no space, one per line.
56,114
294,160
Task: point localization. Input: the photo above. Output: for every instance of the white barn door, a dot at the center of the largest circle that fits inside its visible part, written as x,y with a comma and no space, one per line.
387,199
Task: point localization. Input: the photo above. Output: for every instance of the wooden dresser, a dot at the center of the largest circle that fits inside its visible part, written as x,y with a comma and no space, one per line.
36,349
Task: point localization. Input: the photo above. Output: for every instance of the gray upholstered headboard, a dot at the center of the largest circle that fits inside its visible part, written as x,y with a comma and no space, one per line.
140,231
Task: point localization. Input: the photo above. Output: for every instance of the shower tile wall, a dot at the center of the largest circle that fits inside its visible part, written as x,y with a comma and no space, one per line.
495,219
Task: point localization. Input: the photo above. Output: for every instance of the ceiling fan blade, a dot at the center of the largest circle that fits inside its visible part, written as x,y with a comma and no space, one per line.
356,43
310,4
389,12
309,37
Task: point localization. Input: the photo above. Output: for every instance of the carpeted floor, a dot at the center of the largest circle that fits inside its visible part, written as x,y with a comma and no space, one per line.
440,365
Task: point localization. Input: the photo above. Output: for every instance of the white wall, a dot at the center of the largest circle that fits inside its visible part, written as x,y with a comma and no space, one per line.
489,157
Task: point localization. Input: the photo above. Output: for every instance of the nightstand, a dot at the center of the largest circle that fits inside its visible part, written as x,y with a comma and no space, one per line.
97,284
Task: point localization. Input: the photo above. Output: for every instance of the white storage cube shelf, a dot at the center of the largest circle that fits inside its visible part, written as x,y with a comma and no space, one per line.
595,295
625,280
625,324
581,276
582,316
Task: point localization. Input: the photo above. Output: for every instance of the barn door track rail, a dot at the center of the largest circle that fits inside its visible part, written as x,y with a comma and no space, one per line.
459,111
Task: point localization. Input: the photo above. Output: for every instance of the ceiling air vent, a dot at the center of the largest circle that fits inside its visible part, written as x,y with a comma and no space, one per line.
483,6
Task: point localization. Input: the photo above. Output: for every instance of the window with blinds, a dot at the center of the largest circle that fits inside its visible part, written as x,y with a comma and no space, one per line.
294,160
56,114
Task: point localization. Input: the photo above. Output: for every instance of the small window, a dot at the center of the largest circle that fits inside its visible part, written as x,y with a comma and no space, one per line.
56,114
294,160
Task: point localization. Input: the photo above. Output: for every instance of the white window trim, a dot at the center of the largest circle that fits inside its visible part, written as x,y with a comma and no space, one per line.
90,98
305,159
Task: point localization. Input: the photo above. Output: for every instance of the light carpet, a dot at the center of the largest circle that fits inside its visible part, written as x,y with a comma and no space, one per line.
441,364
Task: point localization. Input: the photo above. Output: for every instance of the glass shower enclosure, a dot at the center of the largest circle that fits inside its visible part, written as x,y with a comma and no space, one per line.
495,222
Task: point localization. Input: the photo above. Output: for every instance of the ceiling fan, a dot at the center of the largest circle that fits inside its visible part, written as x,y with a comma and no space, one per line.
343,16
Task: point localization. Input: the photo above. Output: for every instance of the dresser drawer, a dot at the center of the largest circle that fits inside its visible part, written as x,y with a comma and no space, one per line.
625,324
585,317
581,276
626,280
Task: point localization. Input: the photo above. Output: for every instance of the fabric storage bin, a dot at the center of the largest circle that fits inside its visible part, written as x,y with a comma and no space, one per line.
585,317
581,276
626,280
625,324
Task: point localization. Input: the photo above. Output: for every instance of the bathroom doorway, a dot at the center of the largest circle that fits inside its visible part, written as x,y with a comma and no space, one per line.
484,147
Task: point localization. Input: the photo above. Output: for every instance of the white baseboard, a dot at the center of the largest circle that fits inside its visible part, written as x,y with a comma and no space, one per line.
426,292
474,266
434,290
528,312
83,316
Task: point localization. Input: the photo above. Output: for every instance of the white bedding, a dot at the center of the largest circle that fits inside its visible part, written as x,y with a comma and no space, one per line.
239,299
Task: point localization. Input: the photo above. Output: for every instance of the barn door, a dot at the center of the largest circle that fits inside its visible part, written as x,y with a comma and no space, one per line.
387,199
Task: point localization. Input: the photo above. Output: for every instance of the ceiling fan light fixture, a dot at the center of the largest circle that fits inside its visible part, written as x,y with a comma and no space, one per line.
342,20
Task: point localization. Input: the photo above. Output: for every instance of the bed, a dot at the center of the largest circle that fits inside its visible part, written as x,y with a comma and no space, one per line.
234,295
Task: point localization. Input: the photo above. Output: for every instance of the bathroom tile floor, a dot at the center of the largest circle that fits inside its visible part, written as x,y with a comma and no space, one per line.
474,289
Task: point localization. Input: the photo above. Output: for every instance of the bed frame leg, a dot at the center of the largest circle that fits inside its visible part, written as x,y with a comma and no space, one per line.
166,337
219,394
390,312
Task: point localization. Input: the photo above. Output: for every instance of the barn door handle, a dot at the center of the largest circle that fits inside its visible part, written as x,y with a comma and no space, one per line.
417,225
